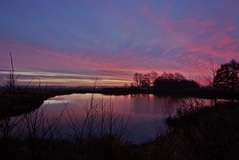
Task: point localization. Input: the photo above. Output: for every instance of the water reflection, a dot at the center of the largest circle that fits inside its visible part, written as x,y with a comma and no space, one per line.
146,111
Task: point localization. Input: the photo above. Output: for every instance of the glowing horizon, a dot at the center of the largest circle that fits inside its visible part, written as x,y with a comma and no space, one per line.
72,43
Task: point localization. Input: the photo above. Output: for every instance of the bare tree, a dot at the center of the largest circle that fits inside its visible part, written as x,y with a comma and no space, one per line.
153,76
145,80
138,77
172,76
178,76
209,74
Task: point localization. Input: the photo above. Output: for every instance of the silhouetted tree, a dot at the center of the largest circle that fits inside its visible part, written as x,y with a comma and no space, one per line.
138,77
227,76
170,76
167,76
174,81
153,76
209,74
144,80
178,76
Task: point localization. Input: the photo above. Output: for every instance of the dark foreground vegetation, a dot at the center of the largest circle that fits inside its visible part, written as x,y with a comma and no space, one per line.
205,133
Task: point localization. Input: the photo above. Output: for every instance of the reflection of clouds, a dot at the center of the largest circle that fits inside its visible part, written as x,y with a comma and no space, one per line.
144,111
147,112
52,101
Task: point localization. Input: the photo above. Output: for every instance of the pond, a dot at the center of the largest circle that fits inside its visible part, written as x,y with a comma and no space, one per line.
143,115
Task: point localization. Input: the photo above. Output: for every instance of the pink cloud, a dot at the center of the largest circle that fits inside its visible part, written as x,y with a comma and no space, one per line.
199,41
158,42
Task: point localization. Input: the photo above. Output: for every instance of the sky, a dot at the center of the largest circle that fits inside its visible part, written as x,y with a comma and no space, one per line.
75,42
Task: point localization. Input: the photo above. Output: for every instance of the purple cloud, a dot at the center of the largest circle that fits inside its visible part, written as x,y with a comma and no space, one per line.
114,39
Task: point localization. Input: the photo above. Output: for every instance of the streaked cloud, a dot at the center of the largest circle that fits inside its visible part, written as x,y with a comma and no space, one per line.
113,39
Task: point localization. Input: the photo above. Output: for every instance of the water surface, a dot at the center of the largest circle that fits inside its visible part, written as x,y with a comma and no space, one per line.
146,112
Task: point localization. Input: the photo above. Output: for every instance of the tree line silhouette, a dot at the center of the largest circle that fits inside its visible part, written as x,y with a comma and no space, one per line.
164,81
224,77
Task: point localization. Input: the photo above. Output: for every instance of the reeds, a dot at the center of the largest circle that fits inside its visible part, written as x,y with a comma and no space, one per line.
98,135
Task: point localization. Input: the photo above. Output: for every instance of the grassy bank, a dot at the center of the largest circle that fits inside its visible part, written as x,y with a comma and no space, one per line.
24,100
206,133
